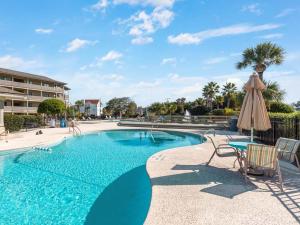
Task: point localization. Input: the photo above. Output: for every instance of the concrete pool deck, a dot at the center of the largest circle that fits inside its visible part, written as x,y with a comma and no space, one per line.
185,191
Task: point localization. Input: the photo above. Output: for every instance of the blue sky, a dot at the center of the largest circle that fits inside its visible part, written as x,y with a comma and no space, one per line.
150,50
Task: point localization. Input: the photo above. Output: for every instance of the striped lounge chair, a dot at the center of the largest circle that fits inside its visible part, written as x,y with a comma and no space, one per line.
263,157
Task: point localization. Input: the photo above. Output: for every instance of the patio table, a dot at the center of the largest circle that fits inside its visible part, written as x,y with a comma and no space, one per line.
240,145
241,148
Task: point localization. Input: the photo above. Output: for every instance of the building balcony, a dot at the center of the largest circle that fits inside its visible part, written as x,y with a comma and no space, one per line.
20,109
30,86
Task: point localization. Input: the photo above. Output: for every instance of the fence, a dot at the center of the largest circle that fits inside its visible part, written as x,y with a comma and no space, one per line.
287,127
185,119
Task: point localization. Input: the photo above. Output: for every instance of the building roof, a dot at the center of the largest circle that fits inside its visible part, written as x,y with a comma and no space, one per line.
4,90
92,101
28,75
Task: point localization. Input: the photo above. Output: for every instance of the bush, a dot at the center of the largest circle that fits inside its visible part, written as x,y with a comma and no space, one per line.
280,107
224,112
199,110
13,122
282,116
17,122
218,112
230,112
36,119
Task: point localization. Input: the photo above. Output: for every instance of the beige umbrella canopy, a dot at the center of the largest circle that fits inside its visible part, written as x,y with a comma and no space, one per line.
253,113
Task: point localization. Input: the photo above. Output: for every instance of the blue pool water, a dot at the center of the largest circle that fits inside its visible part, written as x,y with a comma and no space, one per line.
98,178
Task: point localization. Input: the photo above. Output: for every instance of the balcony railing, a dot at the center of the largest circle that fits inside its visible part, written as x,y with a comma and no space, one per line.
20,109
31,86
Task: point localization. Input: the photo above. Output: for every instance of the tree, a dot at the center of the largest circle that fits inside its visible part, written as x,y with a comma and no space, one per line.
52,107
273,92
155,108
118,106
240,95
209,92
219,101
171,108
261,57
229,90
131,109
180,105
199,101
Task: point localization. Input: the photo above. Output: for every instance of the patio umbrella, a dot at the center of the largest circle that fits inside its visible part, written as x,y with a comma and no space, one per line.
253,113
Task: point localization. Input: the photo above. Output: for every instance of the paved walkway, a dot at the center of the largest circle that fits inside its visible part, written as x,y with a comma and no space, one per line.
185,191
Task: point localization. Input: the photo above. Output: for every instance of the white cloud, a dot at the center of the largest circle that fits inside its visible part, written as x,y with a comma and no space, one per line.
215,60
13,62
171,61
141,24
252,8
43,31
197,38
100,5
141,40
272,36
112,56
77,44
285,12
154,3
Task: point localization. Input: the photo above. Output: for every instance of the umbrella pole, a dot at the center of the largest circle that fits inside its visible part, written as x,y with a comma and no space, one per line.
252,134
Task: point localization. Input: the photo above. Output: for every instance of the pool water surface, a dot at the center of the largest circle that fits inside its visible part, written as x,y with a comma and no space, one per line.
97,178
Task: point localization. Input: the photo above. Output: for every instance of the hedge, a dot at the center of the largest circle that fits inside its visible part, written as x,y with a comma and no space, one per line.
282,116
14,122
280,107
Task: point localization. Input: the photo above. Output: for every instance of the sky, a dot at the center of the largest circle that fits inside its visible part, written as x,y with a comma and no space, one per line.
149,50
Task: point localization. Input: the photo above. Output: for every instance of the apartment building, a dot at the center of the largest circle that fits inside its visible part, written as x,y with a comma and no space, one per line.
21,93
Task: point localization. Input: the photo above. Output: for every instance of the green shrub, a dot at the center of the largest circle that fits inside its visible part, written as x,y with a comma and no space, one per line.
230,112
37,119
224,112
282,116
17,122
280,107
218,112
13,122
199,110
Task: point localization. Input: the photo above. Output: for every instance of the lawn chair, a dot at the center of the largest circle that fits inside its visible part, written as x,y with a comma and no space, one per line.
263,157
287,149
218,148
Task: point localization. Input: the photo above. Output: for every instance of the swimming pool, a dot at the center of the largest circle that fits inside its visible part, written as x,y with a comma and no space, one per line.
98,178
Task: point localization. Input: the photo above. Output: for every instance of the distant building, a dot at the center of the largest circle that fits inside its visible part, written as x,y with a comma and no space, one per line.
23,92
92,107
140,111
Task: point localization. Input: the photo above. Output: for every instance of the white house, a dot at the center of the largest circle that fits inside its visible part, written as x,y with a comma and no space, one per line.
92,107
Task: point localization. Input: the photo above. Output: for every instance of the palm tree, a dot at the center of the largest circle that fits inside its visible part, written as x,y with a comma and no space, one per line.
219,101
209,92
261,57
229,89
273,92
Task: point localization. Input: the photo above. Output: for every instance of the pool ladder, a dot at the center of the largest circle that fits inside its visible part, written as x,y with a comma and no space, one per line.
76,131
